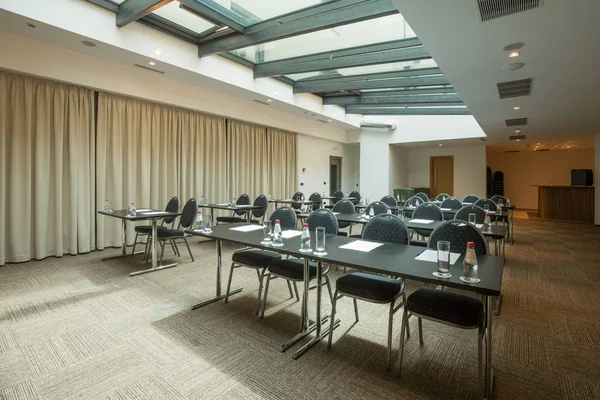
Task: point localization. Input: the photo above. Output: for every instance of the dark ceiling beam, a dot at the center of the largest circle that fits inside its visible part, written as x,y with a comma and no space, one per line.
132,10
322,16
370,84
400,92
379,53
408,111
105,4
213,12
452,99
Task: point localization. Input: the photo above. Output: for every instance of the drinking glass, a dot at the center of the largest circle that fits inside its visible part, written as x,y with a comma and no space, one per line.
486,208
472,218
233,202
266,225
443,256
108,206
207,223
320,245
403,199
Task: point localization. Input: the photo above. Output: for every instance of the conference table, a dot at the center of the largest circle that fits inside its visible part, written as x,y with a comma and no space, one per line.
389,258
293,202
143,214
231,207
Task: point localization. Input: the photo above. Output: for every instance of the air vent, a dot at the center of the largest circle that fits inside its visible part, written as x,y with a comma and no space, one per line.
541,150
262,102
492,9
149,69
511,151
516,122
518,88
517,137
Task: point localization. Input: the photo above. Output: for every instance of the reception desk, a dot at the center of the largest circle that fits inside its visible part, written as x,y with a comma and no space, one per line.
566,203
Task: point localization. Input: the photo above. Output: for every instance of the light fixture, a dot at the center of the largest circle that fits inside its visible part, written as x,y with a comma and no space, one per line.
537,144
513,66
274,93
568,147
152,63
516,108
88,43
29,24
222,28
440,145
269,100
513,54
329,120
158,52
517,131
513,46
518,140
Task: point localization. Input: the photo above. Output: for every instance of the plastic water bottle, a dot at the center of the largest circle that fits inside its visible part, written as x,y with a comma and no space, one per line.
487,223
106,205
371,212
302,207
233,202
470,267
199,226
202,201
305,240
508,201
398,198
389,211
132,209
277,239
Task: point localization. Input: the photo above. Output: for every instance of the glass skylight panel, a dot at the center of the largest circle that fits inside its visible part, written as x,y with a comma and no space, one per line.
181,17
249,12
392,27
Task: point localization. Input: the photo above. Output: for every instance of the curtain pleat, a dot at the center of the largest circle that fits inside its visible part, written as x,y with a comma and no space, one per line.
282,163
46,168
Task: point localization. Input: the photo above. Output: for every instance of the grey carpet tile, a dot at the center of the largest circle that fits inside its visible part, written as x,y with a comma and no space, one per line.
13,368
20,391
576,387
147,387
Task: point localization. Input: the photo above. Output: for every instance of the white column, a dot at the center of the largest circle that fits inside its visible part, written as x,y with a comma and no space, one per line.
374,164
597,178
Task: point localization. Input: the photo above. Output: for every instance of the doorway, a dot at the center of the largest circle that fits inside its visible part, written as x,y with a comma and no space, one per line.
335,174
441,175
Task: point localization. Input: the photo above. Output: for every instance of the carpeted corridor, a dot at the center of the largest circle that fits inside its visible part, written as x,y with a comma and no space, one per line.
79,328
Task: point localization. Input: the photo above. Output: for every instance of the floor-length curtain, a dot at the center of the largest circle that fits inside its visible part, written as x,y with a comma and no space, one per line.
282,167
46,168
247,159
138,156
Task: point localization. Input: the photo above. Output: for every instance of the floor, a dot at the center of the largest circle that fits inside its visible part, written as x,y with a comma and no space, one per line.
80,328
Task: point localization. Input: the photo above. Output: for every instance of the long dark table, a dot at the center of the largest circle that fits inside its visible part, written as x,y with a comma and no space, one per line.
389,259
230,207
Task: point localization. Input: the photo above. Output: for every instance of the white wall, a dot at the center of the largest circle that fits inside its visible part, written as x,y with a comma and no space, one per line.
469,168
399,168
525,169
374,164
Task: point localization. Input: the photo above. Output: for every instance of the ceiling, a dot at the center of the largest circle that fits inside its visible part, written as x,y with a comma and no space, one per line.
544,145
358,54
561,53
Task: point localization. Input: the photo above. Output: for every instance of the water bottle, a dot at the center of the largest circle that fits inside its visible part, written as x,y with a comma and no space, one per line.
106,205
199,226
470,267
233,202
398,198
371,212
269,197
202,201
487,223
389,211
305,240
508,201
277,239
302,207
132,209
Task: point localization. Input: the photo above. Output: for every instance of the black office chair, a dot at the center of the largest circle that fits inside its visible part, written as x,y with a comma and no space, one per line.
423,196
378,208
344,207
356,197
389,200
292,269
189,212
243,200
370,287
492,207
452,203
260,260
317,199
298,197
337,196
463,214
146,230
442,196
471,198
427,211
260,213
446,307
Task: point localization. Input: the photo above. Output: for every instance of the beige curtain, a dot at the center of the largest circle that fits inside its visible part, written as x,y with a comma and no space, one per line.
282,165
247,159
138,159
46,168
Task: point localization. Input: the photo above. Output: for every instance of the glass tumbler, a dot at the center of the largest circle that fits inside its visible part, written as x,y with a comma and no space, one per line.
320,241
443,259
486,208
207,223
266,226
472,219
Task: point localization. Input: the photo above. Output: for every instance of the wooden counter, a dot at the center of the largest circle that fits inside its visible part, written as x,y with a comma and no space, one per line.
566,203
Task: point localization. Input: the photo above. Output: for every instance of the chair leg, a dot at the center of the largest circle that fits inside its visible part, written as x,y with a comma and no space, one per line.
296,291
175,249
421,331
407,325
229,282
328,283
188,247
289,284
147,250
261,278
162,253
480,384
390,330
404,325
262,313
332,319
355,309
134,243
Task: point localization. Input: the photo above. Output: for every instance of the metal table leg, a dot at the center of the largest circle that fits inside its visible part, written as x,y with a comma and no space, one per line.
488,346
155,266
218,295
511,225
123,243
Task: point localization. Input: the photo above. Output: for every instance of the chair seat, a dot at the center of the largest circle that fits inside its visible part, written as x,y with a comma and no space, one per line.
293,269
446,306
231,220
167,233
420,243
255,258
148,229
369,287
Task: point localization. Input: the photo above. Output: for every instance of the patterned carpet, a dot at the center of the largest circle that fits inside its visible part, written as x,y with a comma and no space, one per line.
80,328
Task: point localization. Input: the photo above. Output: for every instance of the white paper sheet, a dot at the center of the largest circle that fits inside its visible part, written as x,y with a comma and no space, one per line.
290,234
467,204
336,213
246,228
222,204
421,221
154,213
446,209
144,210
361,245
431,256
478,226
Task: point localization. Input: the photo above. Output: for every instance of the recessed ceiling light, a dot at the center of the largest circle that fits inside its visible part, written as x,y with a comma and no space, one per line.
158,52
516,108
329,120
152,63
29,24
568,147
513,46
537,144
269,100
88,43
440,145
513,66
518,140
514,54
517,130
222,28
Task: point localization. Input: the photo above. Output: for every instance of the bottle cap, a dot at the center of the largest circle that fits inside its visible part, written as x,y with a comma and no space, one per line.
371,207
470,245
276,221
305,225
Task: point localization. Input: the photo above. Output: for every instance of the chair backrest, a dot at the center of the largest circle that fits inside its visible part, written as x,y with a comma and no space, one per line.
172,206
463,214
458,234
442,197
344,206
389,200
286,216
386,228
471,198
337,196
414,201
427,211
496,199
318,200
356,196
297,197
378,208
243,200
423,196
263,202
452,203
325,218
483,202
188,214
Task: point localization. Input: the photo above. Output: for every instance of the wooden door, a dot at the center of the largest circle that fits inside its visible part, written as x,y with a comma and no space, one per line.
335,174
441,178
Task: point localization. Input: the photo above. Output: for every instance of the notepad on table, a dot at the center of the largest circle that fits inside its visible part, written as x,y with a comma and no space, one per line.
431,256
446,209
246,228
336,213
223,204
290,234
154,213
361,245
144,210
421,221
